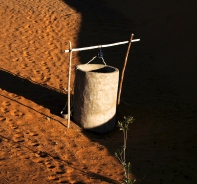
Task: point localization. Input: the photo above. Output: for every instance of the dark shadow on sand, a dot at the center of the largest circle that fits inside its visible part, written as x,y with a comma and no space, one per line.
161,140
43,95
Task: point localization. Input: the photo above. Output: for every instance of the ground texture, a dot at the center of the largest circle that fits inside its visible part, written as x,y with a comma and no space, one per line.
159,91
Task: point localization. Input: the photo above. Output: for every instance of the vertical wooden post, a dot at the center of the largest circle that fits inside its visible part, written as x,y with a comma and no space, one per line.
123,70
69,78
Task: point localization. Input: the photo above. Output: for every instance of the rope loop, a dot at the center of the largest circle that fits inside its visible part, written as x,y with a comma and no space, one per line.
99,55
95,58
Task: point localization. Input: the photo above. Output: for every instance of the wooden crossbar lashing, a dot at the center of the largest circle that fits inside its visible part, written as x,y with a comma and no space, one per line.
70,50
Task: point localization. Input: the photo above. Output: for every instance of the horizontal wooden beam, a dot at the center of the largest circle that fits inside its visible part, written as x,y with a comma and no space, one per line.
101,46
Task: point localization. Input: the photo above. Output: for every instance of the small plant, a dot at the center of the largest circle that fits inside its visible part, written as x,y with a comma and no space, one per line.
121,153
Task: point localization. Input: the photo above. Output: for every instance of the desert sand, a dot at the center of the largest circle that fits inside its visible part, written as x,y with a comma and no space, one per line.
159,91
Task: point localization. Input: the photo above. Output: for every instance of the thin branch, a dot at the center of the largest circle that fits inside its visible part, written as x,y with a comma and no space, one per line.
123,70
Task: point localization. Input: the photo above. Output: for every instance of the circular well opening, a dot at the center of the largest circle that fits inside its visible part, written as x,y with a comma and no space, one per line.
98,68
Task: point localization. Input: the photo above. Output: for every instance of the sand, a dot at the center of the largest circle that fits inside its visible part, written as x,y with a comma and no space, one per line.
159,91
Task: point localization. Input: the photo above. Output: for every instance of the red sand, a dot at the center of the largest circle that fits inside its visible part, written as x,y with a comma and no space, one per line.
159,87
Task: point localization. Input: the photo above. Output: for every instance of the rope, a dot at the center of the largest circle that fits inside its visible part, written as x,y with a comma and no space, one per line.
94,58
91,60
103,60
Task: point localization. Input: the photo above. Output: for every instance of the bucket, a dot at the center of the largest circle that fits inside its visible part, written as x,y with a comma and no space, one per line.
95,96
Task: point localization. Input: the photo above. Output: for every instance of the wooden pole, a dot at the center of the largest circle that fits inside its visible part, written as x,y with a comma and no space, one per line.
123,70
69,77
99,46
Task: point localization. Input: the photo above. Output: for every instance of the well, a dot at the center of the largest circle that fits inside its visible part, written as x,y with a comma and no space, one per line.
95,96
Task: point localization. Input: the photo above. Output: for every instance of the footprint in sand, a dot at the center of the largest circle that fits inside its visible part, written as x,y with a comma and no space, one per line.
60,169
49,163
16,97
39,157
33,142
18,137
63,180
56,177
17,113
36,71
24,66
23,154
45,68
2,119
6,103
45,79
56,168
53,177
5,110
32,133
12,124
